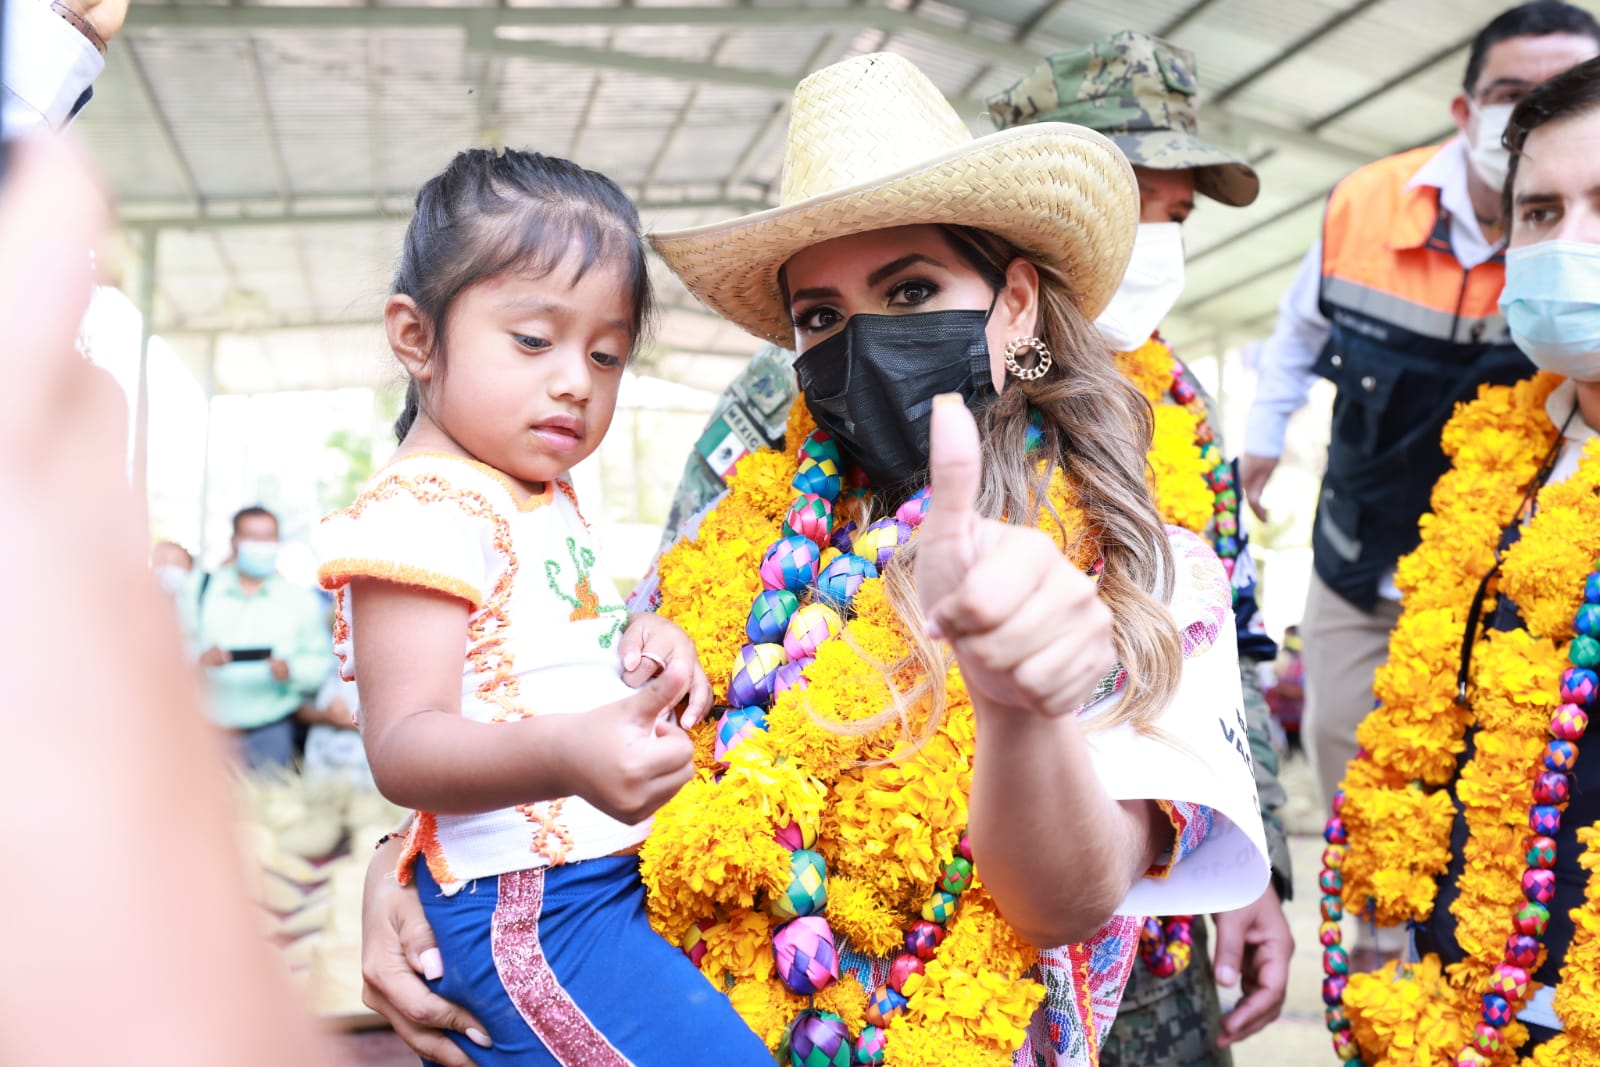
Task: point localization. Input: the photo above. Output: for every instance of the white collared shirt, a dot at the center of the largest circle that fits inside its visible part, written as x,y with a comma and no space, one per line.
47,67
1284,377
1559,405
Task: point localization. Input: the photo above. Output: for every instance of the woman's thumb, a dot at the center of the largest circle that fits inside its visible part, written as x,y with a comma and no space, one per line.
955,468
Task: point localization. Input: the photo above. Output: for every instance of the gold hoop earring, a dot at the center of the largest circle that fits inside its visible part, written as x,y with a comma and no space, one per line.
1042,359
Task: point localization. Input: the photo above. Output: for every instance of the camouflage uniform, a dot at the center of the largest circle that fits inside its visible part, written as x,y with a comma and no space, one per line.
1138,91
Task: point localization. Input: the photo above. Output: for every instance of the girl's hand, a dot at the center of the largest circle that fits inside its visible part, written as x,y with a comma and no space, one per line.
630,757
650,645
397,945
1027,628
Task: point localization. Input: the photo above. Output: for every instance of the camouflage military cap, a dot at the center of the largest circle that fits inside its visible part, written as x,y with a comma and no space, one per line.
1139,91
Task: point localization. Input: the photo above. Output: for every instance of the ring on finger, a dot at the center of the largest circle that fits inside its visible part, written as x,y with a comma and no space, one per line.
653,658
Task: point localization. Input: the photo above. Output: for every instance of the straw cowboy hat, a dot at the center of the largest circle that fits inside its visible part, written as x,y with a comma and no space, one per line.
873,144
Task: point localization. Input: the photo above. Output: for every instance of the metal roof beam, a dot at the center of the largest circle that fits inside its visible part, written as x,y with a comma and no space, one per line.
1185,17
406,16
170,216
1295,47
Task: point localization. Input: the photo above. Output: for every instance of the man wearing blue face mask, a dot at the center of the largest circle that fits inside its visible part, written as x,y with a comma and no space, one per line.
264,640
1396,305
1508,560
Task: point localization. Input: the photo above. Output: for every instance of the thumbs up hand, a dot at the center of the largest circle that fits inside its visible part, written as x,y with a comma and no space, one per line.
1027,628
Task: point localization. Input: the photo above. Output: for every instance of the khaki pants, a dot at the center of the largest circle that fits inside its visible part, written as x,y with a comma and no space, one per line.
1343,646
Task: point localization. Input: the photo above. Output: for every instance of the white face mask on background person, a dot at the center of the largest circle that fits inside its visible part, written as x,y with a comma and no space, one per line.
1149,289
1552,306
1489,158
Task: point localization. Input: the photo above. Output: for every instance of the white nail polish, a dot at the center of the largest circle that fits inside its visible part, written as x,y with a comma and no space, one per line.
478,1037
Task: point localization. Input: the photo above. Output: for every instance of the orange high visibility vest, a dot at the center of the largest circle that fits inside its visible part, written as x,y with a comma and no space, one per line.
1413,333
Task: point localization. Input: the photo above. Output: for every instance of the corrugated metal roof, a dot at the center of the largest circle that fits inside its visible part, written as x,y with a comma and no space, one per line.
276,148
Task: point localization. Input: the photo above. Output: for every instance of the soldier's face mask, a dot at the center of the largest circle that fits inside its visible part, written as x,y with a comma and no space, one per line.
1149,289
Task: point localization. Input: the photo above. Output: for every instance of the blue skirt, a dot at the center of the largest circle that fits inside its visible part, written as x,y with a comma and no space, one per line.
562,968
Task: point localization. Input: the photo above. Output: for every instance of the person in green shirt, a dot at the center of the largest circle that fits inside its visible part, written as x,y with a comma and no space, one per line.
264,643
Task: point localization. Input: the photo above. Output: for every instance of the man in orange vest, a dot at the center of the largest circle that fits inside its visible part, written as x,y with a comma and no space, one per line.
1397,305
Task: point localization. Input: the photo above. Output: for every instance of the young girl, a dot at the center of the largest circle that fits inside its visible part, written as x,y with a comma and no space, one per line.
505,693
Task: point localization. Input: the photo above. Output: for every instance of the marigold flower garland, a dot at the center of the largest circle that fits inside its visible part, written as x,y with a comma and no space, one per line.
1388,841
806,835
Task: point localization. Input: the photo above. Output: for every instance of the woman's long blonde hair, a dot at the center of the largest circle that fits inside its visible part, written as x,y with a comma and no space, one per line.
1097,430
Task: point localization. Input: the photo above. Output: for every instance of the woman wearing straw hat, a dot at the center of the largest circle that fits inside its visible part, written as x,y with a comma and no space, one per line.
982,710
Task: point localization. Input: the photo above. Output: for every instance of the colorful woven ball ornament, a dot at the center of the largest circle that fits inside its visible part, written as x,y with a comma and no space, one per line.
1539,884
811,517
1227,546
1509,981
1333,989
940,907
819,446
1471,1057
902,967
1587,620
693,942
880,541
819,1039
794,835
838,582
818,477
843,536
1334,833
1335,1017
736,725
807,893
1532,919
1333,856
1584,652
791,563
1552,787
1541,852
752,676
964,846
1523,951
1227,526
1569,722
790,676
809,628
1331,882
912,511
1560,755
1496,1010
1591,589
923,938
884,1005
1344,1044
1579,686
1332,908
957,876
1487,1039
871,1045
1335,960
769,616
1544,820
1328,933
807,958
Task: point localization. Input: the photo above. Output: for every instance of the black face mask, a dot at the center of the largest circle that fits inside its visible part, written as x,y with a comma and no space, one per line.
872,384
